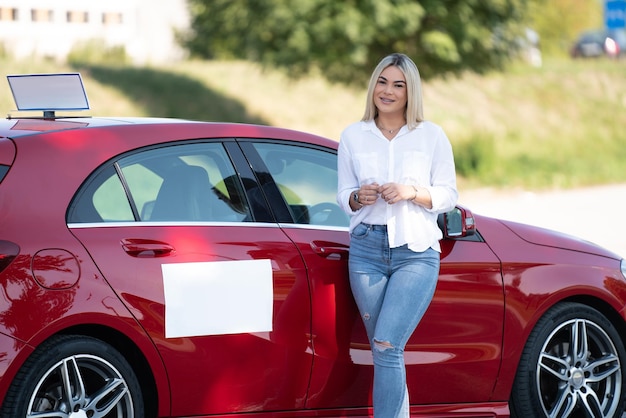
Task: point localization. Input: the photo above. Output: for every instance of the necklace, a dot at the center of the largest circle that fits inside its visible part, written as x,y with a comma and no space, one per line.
390,131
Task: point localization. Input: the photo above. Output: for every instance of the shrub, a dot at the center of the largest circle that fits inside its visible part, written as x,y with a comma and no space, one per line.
95,51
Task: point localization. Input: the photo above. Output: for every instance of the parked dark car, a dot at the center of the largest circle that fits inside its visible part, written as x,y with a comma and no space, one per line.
601,42
159,267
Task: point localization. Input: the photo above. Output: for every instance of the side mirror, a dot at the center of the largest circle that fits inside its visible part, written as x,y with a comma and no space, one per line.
457,223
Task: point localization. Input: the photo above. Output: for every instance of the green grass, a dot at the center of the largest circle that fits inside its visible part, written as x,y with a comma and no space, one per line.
559,126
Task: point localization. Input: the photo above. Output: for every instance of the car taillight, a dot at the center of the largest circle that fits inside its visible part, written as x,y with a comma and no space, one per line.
611,47
8,251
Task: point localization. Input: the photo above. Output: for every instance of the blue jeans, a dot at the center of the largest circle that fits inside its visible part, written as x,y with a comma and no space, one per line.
392,289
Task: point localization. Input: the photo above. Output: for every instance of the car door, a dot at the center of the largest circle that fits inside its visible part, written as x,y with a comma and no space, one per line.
453,356
304,179
183,234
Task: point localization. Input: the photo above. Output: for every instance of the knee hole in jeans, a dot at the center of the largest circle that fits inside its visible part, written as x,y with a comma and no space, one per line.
382,345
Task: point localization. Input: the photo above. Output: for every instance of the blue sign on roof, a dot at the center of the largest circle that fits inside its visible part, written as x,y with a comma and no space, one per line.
615,14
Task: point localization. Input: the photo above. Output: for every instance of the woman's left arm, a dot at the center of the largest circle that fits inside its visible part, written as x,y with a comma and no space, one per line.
442,190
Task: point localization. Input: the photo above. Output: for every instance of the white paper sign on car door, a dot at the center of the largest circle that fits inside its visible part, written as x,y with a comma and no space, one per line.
216,298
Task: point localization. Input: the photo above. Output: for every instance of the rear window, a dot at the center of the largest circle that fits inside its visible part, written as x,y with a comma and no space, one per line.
181,183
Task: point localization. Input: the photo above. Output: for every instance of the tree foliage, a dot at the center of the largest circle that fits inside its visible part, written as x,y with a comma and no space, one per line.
345,39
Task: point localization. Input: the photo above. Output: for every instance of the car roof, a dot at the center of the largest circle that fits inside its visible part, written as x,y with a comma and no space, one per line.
601,33
16,128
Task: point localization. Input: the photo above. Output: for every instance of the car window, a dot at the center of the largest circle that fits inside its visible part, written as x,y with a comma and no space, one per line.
307,179
4,169
182,183
101,198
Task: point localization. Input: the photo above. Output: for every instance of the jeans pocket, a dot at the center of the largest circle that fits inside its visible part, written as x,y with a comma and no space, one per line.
360,231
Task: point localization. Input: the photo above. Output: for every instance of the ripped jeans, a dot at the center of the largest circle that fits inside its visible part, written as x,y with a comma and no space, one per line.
392,289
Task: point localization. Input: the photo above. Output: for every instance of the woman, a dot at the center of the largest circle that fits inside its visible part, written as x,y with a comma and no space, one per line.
396,174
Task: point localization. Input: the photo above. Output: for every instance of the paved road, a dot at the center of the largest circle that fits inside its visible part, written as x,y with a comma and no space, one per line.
595,214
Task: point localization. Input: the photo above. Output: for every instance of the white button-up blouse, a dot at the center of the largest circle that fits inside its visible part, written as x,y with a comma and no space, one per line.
419,157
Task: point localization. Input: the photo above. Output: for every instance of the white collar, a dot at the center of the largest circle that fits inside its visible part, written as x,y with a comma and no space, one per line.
370,125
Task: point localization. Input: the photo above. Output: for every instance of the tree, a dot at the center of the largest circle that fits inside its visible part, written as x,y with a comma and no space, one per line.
345,39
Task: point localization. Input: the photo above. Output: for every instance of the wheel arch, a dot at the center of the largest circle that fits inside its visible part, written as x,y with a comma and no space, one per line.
605,309
133,355
130,351
601,308
504,385
141,354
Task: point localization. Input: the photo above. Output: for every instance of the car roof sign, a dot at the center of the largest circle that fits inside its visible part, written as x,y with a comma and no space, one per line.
48,92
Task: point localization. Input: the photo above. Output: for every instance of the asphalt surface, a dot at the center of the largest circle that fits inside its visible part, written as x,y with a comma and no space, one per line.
595,214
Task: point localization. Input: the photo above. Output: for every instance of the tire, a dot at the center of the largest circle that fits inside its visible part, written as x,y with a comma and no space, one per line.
571,366
101,382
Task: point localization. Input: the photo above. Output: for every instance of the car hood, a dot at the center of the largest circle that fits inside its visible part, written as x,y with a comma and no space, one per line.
550,238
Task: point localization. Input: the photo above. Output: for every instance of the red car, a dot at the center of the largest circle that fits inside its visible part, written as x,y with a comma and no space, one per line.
164,268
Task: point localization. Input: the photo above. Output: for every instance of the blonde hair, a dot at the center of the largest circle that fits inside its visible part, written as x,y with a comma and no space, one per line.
414,112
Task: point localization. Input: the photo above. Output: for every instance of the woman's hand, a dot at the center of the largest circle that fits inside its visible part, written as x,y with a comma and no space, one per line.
394,192
368,194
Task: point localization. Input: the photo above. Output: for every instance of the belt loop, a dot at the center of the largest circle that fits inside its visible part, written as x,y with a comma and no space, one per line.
371,227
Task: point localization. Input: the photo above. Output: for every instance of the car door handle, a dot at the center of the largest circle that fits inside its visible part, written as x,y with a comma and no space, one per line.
329,249
145,248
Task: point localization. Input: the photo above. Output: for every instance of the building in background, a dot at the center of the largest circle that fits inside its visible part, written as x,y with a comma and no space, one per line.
45,28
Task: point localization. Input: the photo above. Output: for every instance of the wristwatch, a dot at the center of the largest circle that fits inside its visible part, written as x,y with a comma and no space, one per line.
355,197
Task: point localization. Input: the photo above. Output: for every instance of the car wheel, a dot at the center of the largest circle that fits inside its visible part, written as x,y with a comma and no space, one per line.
571,366
74,376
